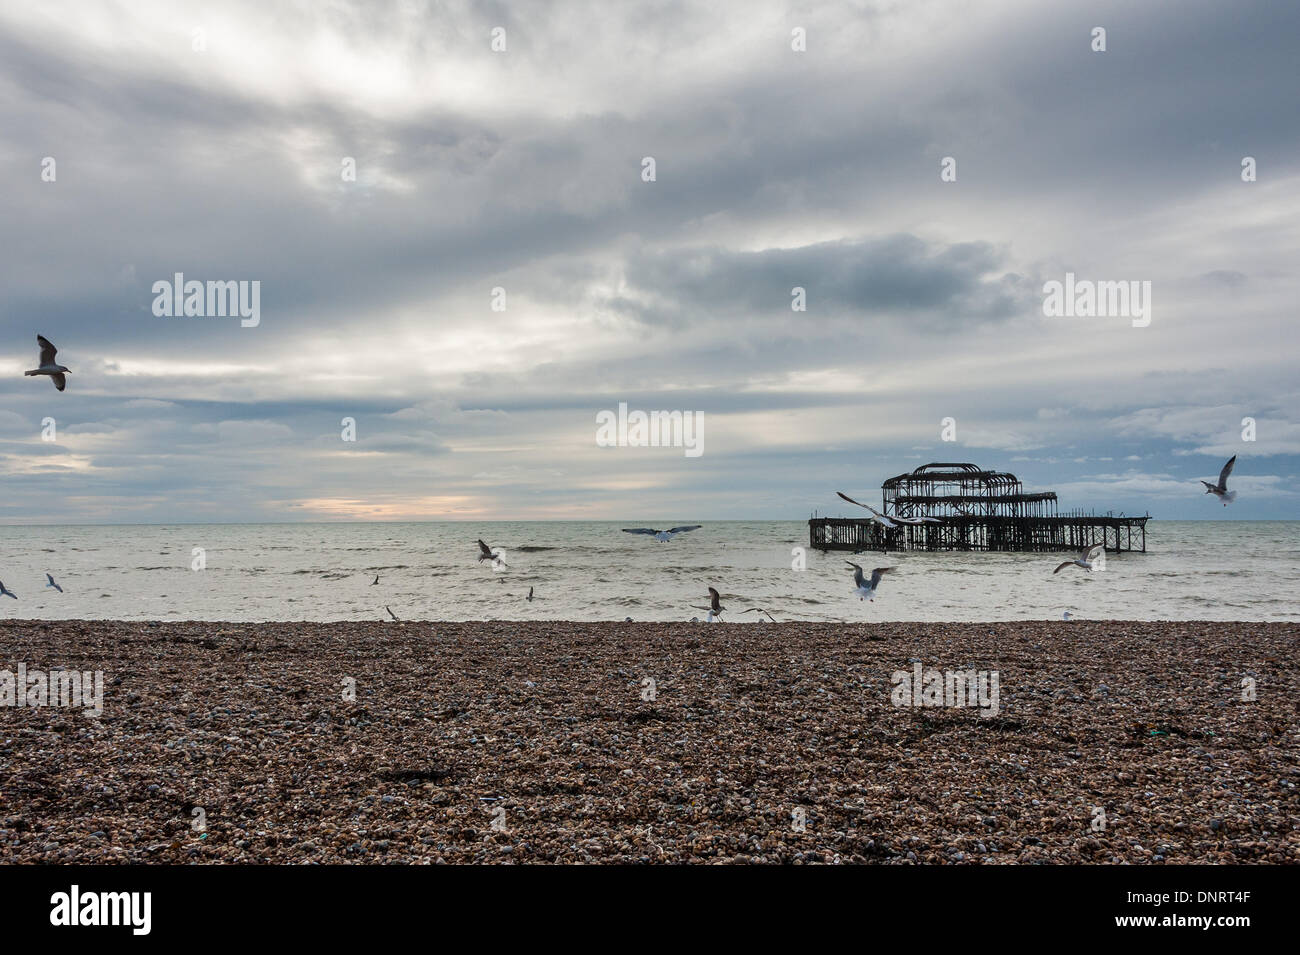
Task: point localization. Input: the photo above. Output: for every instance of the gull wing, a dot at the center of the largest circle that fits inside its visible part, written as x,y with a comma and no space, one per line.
1223,475
876,515
850,500
1068,563
639,530
485,552
857,573
59,380
684,528
48,351
1092,549
877,573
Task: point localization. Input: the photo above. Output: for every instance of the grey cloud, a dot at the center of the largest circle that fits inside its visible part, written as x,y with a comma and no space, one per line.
898,275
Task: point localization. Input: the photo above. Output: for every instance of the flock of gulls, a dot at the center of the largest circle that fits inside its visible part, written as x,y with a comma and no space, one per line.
865,583
864,586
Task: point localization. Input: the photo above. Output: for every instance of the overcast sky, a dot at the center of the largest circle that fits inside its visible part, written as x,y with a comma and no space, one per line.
209,139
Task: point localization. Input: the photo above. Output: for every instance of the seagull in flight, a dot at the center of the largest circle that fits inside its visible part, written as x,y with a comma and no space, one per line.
1219,490
715,607
6,593
52,583
391,614
891,521
663,537
48,365
762,611
875,514
864,588
1085,559
487,553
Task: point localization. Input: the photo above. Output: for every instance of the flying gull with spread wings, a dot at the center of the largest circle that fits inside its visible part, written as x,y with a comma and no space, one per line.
876,516
487,553
1219,490
892,520
663,537
715,607
864,588
1085,559
48,365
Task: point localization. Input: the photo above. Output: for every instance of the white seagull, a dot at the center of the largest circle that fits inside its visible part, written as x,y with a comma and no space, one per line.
866,589
6,593
48,365
663,537
53,584
875,514
1219,490
1084,560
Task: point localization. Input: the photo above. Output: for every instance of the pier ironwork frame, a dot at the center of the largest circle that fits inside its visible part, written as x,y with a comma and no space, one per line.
980,511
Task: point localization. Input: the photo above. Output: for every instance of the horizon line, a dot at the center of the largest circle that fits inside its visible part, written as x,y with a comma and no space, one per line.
551,520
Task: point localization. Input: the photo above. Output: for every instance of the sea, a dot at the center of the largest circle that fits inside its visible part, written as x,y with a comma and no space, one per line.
591,570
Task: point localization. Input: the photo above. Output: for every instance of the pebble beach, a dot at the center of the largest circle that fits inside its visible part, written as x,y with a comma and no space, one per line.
554,742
